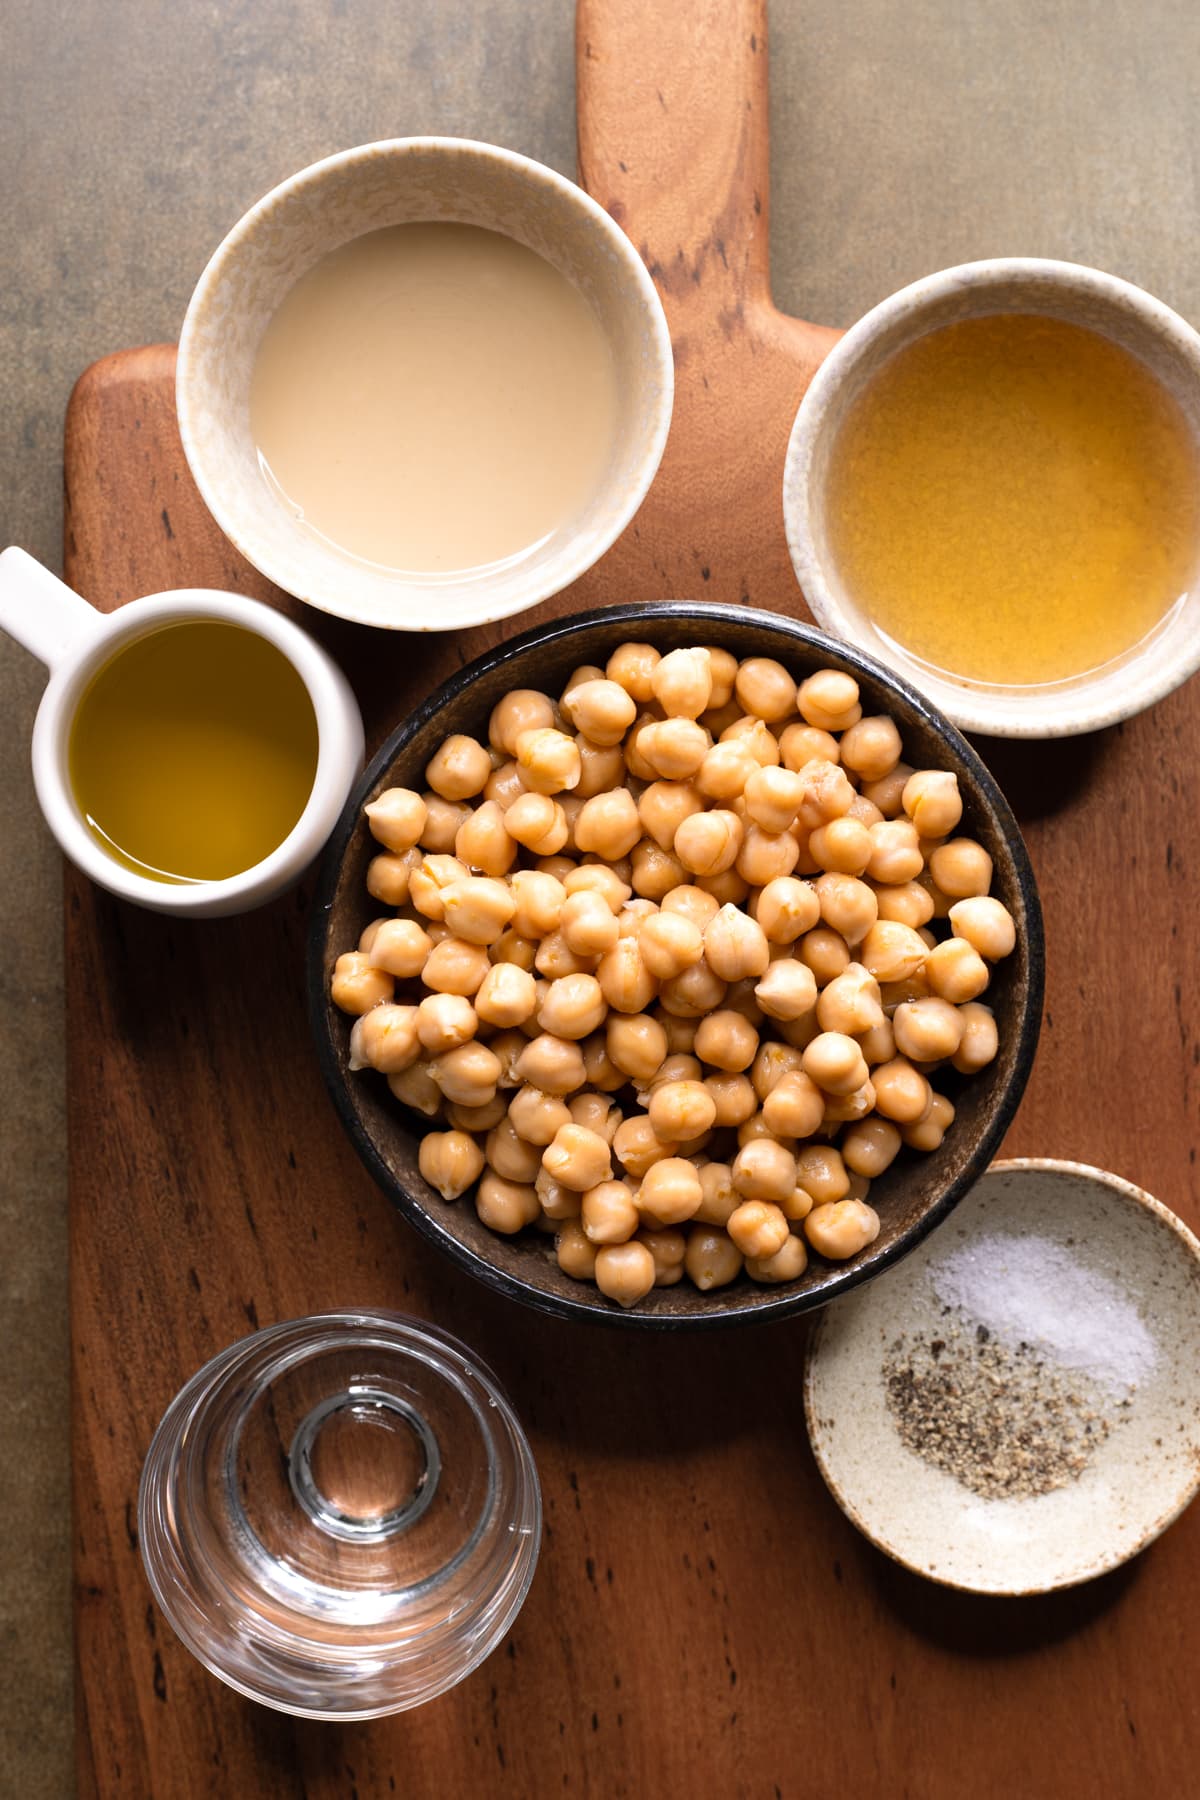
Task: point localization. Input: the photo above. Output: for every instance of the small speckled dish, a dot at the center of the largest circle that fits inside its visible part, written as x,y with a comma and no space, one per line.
1117,310
398,182
1101,1285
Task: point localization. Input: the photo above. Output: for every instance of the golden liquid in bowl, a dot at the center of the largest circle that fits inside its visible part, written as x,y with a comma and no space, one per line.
434,398
1015,499
192,753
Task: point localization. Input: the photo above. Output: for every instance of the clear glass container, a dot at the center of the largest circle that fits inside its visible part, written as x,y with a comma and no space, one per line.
340,1516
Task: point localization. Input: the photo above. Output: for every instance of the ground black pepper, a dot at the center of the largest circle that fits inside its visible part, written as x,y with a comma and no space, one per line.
999,1418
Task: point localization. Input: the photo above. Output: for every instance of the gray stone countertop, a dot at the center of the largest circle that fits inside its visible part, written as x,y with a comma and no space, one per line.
133,134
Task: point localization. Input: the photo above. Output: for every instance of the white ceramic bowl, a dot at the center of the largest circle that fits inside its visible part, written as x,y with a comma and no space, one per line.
392,183
1103,1282
1114,308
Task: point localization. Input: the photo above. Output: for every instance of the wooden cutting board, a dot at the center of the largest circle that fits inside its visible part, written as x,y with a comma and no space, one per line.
703,1619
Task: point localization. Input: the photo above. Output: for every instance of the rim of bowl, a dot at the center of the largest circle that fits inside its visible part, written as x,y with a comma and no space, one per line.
774,1303
995,713
339,752
1017,1165
574,563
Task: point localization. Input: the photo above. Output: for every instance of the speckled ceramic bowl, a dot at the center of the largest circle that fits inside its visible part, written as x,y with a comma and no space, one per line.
916,1192
1102,1284
393,183
1104,303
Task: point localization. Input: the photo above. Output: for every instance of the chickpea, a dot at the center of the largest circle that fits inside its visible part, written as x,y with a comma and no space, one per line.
553,1064
864,811
800,744
697,991
467,1074
841,1229
871,748
829,700
927,1030
765,689
663,807
443,819
841,1109
396,818
794,1107
400,947
850,1003
825,952
725,1040
717,720
429,880
511,947
869,1146
848,906
385,1038
681,1033
598,878
655,871
601,1073
681,682
635,762
755,737
573,1007
459,768
483,842
979,1041
444,1021
633,916
631,666
505,1206
597,1113
788,1263
879,1044
707,843
536,1117
635,1146
505,786
932,801
711,1259
477,909
986,924
691,903
357,987
670,1192
537,903
758,1228
548,760
506,996
763,1169
906,904
787,990
901,1092
637,1045
726,770
524,709
450,1161
601,768
961,868
727,888
673,749
609,1213
625,982
835,1062
722,670
575,1256
416,1087
508,1047
510,1155
895,852
733,1097
668,1248
558,1202
478,1120
588,925
893,952
389,877
927,1132
578,1158
735,946
669,944
680,1110
787,908
843,846
608,825
766,856
536,822
956,971
887,793
773,797
624,1272
602,710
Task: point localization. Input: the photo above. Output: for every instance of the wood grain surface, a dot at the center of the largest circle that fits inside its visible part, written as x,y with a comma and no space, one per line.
703,1620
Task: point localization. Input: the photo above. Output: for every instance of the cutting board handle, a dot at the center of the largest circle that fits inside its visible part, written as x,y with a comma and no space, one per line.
673,142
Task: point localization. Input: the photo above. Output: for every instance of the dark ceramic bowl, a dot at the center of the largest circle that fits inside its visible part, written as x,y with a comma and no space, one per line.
917,1192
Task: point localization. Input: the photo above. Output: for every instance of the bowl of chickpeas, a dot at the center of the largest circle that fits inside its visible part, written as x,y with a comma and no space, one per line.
676,964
